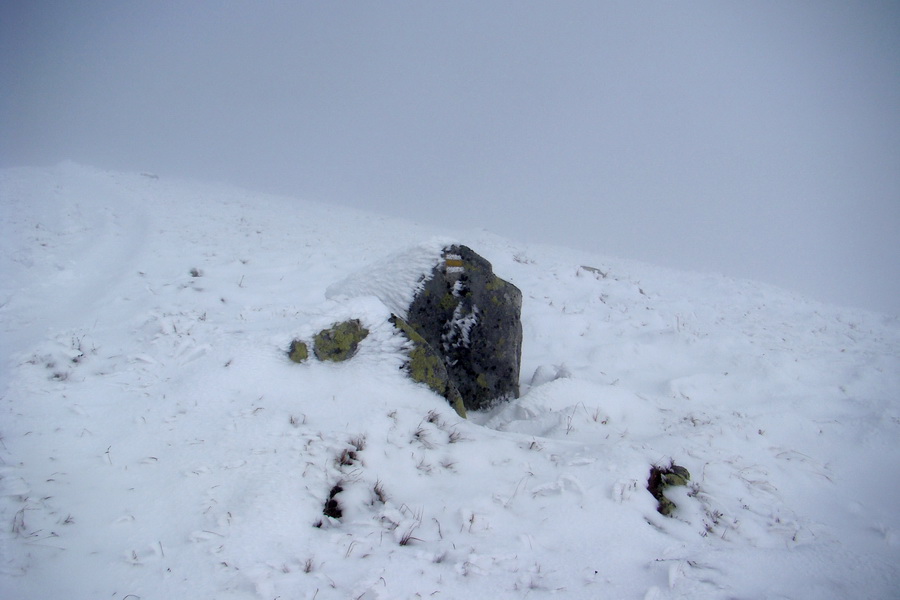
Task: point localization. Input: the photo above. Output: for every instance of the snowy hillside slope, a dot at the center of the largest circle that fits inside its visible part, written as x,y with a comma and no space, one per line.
157,442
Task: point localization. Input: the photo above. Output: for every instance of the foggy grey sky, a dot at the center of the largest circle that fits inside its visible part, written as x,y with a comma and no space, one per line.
757,139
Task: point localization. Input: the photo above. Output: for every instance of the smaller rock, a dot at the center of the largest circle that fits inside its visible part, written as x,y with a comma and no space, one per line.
597,272
662,478
340,342
298,351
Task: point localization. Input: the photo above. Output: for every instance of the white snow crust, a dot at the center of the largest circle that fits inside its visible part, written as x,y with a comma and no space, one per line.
156,442
394,279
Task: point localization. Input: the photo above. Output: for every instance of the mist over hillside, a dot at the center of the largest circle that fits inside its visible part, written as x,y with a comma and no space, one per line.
755,140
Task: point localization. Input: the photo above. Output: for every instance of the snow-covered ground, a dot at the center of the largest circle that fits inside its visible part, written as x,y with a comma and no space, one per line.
157,442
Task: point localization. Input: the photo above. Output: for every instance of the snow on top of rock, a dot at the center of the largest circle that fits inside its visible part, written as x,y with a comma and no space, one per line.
393,279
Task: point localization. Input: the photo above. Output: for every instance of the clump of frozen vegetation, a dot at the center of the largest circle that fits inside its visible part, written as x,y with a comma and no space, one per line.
158,442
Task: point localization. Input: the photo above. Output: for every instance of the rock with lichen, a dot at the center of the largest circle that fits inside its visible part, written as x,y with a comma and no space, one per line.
468,318
472,318
662,478
339,342
426,366
299,351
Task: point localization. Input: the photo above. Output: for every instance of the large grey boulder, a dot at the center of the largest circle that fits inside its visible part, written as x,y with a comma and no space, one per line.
463,322
472,318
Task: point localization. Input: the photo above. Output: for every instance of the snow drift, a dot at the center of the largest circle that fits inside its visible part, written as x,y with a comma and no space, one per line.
157,442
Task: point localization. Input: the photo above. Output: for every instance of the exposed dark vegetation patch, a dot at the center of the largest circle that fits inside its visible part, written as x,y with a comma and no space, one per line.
347,457
332,506
380,494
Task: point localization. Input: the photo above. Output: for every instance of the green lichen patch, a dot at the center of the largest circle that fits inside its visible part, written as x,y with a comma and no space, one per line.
407,330
456,401
448,302
423,367
662,478
426,366
298,351
339,342
494,284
